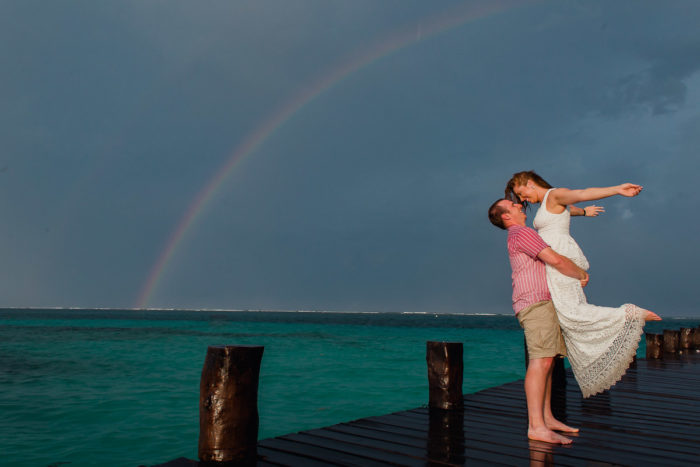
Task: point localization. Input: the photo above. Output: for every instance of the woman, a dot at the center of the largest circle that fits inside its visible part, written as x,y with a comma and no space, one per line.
601,342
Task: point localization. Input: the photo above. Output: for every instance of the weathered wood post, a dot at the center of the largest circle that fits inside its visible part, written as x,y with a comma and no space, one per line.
228,404
686,339
445,374
696,339
654,345
445,402
671,341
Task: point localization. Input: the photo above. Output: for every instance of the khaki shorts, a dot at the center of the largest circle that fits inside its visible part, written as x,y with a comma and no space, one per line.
542,332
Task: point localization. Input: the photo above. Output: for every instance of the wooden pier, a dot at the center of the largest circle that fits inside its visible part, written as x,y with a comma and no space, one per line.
649,418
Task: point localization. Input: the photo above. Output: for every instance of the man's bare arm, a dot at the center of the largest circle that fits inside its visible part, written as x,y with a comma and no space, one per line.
564,265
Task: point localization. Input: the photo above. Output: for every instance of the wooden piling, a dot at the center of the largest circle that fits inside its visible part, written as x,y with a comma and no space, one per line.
686,339
671,341
228,404
445,374
654,345
696,339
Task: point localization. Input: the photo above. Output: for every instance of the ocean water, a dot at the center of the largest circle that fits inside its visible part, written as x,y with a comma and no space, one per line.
108,387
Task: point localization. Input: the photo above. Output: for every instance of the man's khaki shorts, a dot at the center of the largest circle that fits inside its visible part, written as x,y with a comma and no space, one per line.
542,332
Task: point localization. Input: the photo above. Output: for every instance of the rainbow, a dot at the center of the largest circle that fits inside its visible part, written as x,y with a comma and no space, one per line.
442,22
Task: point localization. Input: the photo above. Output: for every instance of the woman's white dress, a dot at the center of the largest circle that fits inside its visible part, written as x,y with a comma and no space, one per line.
600,341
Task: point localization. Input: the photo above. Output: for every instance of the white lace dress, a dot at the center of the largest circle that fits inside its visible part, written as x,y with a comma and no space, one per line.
600,342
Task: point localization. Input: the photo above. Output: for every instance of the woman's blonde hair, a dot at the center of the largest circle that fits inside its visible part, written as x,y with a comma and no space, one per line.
521,178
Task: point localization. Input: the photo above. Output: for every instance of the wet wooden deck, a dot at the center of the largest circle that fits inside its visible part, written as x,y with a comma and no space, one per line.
649,418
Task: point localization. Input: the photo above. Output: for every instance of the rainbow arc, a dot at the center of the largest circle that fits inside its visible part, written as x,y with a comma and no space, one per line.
416,32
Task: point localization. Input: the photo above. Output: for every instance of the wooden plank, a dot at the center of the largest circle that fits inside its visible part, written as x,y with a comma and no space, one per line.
384,445
290,445
270,456
366,455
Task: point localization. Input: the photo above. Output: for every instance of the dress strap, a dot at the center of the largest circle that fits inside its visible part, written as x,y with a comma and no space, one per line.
544,200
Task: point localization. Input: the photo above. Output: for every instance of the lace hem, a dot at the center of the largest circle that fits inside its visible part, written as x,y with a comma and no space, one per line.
609,368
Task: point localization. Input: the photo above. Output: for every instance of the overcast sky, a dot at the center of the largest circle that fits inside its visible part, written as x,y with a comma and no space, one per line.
370,193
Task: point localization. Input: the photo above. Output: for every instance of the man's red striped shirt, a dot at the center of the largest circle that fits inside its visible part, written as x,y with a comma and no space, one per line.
529,279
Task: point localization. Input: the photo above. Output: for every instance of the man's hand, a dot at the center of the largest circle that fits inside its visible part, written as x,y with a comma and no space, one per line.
584,281
562,264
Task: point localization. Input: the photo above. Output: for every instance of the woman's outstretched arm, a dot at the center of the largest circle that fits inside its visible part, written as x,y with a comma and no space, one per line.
565,197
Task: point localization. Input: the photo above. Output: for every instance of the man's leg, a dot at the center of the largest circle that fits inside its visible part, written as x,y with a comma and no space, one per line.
549,420
544,341
537,378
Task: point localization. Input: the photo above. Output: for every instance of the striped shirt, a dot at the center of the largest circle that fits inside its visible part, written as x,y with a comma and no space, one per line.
529,279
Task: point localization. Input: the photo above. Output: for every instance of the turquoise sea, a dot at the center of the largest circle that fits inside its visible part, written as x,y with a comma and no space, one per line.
110,387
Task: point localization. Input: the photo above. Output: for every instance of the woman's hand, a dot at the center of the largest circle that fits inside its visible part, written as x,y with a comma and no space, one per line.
629,189
593,210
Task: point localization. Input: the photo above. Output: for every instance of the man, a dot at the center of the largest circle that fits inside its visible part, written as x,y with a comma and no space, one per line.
533,307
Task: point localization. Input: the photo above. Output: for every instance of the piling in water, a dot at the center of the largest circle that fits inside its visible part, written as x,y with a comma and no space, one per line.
228,404
445,375
654,345
686,339
671,341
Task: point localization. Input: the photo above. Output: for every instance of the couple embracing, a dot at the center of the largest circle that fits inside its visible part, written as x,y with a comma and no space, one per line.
549,273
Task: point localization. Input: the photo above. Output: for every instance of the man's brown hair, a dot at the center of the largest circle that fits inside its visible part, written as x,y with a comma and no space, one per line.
496,212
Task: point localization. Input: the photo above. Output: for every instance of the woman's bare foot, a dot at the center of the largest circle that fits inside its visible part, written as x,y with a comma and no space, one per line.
651,316
556,425
547,435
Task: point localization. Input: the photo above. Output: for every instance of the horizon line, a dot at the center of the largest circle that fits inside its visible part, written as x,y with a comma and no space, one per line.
261,310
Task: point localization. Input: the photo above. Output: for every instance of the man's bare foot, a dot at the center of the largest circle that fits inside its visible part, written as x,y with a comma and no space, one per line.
556,425
651,316
547,435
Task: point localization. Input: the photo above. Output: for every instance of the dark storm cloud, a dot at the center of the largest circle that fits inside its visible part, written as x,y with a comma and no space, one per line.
661,87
